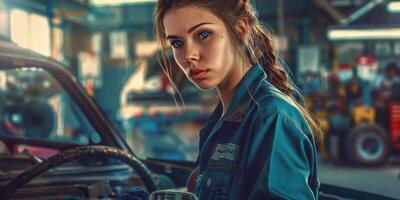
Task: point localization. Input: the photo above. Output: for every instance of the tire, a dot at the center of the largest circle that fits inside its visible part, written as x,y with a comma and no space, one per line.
39,119
367,145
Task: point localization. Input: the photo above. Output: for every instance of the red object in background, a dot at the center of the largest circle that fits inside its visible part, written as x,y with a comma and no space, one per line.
345,67
334,78
10,127
165,82
366,60
89,88
40,152
345,72
395,124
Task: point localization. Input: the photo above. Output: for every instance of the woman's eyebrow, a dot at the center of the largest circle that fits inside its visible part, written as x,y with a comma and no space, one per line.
190,29
196,26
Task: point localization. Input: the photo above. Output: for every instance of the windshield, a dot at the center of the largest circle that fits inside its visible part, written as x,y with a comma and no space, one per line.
33,105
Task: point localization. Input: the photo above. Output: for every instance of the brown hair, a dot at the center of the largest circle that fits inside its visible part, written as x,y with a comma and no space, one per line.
257,48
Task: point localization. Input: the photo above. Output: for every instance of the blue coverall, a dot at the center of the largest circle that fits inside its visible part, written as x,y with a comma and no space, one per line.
262,148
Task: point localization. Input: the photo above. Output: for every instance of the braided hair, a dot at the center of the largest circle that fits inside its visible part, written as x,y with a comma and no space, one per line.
258,48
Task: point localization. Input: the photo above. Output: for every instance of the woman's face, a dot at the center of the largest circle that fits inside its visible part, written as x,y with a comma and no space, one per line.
201,45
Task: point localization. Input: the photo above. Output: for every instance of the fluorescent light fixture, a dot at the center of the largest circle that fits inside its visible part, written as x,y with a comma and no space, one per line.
119,2
393,6
364,34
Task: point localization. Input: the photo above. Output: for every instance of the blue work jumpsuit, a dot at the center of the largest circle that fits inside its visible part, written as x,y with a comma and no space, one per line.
262,148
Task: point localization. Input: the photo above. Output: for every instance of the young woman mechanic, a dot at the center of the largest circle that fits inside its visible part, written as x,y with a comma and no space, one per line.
259,141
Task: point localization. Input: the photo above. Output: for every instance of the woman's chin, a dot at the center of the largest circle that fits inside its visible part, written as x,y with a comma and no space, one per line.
203,85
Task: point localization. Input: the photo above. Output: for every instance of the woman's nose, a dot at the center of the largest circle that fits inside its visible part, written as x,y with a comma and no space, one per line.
191,54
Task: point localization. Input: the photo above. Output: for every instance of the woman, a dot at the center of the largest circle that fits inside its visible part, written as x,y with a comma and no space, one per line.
259,142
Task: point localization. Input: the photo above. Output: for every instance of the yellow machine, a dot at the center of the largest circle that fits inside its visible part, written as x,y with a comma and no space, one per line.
364,114
351,132
321,101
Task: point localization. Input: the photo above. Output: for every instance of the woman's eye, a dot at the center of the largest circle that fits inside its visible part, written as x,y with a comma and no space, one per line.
204,34
176,43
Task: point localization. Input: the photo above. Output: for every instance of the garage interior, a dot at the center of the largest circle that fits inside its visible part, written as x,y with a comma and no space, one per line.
344,56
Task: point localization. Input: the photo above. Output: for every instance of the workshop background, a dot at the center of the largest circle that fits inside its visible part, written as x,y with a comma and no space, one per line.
343,54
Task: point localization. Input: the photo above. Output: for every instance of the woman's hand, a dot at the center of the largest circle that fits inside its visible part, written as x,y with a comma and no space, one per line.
192,180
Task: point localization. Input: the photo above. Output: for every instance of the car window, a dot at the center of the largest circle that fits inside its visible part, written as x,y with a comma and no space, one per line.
33,105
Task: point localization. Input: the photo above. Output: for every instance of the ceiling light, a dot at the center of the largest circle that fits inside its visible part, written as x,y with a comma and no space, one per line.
394,6
364,34
119,2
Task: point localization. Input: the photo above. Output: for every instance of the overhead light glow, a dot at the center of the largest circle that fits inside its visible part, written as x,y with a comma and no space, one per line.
364,34
394,6
119,2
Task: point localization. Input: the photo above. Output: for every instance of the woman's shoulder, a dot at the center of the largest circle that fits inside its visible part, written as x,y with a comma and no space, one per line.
271,103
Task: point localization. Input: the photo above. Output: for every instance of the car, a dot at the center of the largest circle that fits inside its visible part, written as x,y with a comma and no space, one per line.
56,142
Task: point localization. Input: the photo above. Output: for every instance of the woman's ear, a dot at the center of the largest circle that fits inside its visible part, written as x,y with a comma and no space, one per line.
242,27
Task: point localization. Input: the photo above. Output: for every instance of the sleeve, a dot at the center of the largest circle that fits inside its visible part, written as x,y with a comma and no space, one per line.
291,159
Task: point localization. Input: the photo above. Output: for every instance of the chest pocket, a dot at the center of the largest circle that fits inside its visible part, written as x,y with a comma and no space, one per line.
214,183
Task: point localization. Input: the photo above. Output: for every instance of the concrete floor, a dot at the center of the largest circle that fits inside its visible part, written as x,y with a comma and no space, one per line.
380,180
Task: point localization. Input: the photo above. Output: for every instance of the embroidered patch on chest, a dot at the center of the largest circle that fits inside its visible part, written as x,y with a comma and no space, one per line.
229,151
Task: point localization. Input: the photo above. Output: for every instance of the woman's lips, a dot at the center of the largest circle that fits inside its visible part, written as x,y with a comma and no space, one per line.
197,74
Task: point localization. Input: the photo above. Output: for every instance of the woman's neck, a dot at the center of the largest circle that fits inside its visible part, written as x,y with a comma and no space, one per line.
227,88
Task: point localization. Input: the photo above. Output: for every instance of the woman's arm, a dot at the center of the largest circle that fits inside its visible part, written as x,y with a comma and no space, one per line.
281,162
